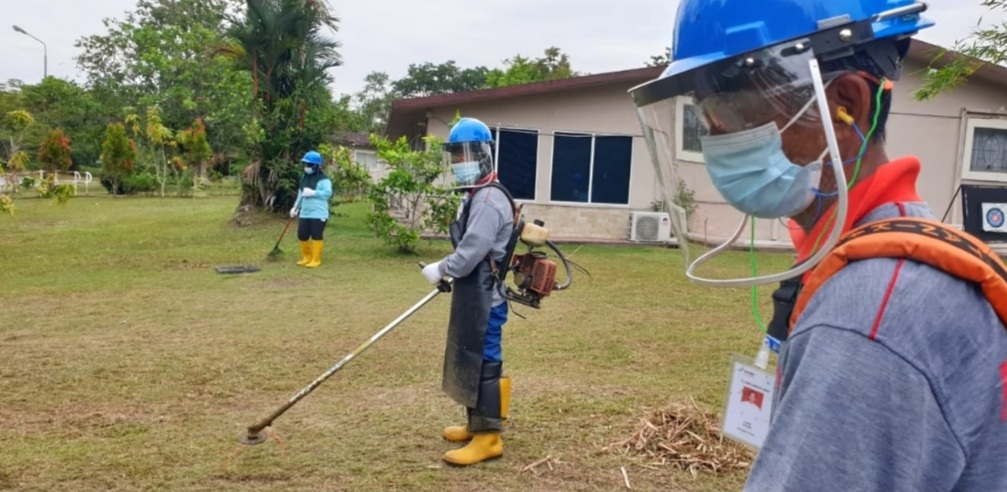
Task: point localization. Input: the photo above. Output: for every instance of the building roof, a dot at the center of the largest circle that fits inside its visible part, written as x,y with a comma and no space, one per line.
352,139
924,52
406,114
409,115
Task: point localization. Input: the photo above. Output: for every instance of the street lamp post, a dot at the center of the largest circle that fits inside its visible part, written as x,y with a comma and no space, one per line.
45,51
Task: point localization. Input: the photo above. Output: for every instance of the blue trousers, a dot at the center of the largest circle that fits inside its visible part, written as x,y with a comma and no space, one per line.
492,349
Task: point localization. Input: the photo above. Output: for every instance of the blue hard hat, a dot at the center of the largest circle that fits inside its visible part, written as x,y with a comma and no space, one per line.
708,31
313,158
469,130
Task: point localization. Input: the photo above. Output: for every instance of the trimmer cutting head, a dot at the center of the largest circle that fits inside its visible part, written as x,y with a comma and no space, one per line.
252,438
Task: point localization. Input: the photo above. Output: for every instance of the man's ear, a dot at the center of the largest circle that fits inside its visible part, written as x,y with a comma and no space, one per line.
850,104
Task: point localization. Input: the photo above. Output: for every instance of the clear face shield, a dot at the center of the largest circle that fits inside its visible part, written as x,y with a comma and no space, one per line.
717,138
468,162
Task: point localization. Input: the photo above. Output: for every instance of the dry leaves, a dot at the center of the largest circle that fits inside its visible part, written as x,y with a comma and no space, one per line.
687,437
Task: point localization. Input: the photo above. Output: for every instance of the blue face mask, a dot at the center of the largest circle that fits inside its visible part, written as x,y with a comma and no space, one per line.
751,172
309,170
466,173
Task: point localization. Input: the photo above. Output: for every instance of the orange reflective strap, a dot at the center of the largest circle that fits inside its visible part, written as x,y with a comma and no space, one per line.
922,240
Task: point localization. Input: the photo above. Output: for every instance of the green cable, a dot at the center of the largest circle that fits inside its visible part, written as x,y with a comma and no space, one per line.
860,158
755,288
870,133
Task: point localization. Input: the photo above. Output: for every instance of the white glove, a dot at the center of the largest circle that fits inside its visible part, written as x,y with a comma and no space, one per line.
307,193
432,273
294,211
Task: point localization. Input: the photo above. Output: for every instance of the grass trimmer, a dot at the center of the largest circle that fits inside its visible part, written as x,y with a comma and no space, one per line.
255,434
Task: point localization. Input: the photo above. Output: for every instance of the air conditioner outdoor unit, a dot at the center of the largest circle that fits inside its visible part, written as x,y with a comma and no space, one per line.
650,226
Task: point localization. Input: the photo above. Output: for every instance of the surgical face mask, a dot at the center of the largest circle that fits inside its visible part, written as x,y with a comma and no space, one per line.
752,173
309,170
466,173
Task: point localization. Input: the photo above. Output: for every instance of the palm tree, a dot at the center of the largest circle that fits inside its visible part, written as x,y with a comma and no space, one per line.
283,43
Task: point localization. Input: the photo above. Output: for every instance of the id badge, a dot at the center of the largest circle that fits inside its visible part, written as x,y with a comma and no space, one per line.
749,402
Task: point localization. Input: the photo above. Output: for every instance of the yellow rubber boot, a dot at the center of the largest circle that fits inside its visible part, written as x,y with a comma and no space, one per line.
460,433
482,447
504,396
305,253
457,433
316,254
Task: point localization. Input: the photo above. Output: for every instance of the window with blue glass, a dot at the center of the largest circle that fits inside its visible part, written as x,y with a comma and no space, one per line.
591,168
517,161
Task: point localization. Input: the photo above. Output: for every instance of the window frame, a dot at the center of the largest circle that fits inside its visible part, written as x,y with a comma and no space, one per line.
680,152
590,181
377,161
971,124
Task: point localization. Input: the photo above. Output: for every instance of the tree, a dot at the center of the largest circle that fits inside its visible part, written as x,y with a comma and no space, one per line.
158,55
374,102
157,140
520,70
196,150
410,190
660,60
282,44
13,128
63,104
983,46
118,154
428,79
54,152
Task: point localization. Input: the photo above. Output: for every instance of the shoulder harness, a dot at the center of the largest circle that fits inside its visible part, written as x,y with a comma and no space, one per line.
922,240
499,271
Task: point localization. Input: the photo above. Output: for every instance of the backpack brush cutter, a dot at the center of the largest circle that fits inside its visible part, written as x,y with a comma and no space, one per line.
533,273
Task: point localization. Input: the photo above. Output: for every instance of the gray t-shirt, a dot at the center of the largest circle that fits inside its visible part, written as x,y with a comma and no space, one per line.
892,380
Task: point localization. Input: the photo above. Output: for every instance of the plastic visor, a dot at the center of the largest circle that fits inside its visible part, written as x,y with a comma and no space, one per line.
468,157
773,85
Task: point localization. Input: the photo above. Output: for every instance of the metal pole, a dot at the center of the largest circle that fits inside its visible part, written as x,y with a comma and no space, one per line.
253,436
45,51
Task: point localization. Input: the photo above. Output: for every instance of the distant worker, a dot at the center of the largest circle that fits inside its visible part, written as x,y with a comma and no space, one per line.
312,205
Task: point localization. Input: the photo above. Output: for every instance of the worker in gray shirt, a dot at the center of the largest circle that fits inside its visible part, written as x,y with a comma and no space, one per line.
473,359
893,366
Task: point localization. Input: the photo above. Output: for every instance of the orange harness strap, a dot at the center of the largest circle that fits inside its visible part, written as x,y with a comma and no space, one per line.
923,240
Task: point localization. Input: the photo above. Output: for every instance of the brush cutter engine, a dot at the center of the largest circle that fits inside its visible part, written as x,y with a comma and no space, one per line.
533,273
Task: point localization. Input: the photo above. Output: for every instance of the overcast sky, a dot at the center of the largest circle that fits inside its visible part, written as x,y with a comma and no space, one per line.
388,35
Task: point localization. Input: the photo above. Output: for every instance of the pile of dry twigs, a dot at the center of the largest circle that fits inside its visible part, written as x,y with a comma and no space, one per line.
687,437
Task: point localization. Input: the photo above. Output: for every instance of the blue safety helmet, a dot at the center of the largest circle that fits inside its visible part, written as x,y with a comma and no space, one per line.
470,130
469,151
312,158
711,31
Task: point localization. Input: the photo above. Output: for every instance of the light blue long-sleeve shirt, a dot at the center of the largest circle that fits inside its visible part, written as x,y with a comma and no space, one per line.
317,206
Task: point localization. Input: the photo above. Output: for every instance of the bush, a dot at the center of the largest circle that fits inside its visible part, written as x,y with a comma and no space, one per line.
143,182
407,201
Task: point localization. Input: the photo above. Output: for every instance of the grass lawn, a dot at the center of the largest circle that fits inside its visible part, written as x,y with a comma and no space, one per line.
128,363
